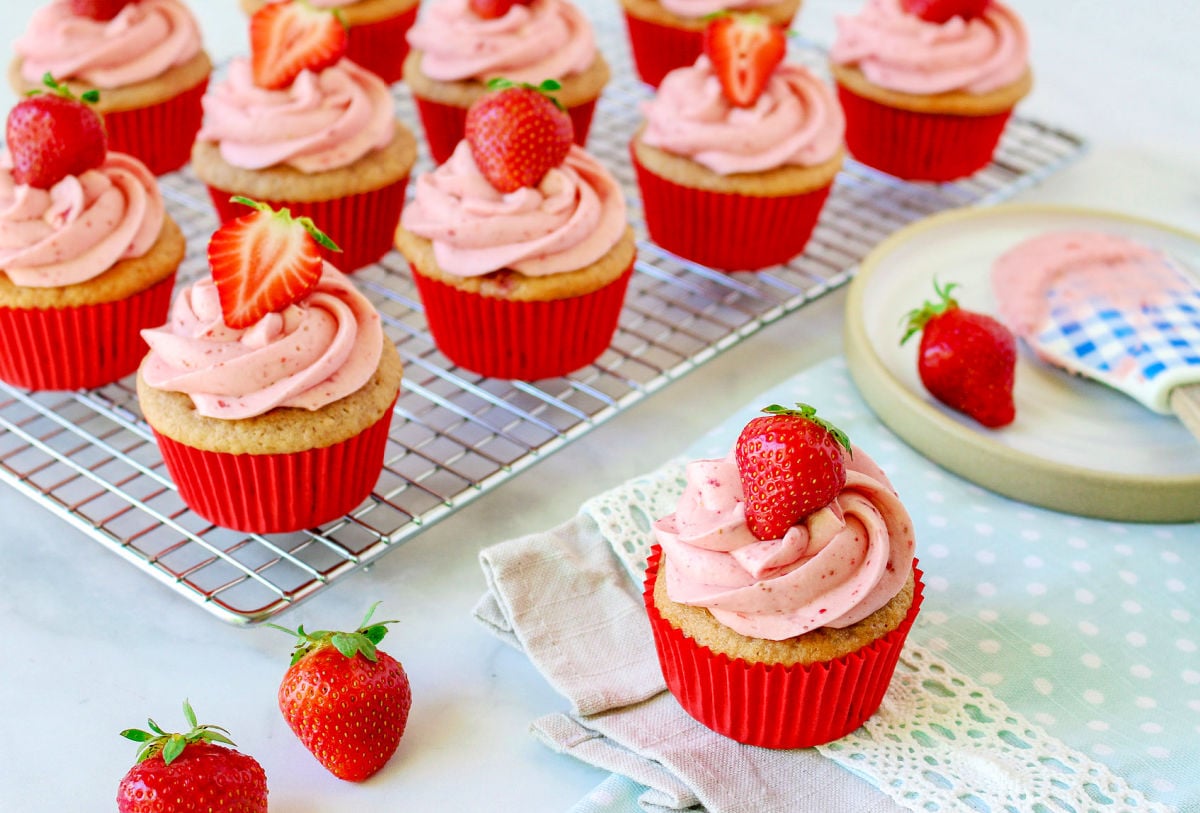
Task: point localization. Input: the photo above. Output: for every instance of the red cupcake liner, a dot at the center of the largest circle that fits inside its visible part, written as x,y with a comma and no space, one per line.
444,125
381,46
278,493
362,225
80,347
161,135
919,146
521,340
776,706
659,49
727,231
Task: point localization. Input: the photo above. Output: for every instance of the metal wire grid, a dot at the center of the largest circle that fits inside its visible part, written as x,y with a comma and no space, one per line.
88,457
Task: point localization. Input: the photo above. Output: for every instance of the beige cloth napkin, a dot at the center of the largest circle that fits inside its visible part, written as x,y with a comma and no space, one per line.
563,599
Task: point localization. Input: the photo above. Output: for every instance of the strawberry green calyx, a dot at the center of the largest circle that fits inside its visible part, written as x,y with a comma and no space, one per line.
171,745
810,413
546,87
285,215
58,89
360,642
916,319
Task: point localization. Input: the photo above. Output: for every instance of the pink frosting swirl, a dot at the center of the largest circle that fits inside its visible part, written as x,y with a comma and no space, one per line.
322,121
796,120
81,226
568,221
694,9
547,39
144,40
902,52
332,3
832,569
312,353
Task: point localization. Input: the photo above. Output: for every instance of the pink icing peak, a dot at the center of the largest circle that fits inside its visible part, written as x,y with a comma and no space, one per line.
144,40
693,9
574,217
832,569
81,226
902,52
796,121
311,354
546,39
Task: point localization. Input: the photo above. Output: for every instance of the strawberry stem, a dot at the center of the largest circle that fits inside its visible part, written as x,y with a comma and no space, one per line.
156,741
286,214
546,87
58,89
810,413
916,319
360,642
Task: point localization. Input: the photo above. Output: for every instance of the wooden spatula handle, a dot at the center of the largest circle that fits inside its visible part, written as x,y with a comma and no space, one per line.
1185,402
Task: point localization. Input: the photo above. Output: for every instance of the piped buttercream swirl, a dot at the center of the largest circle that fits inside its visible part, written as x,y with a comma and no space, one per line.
694,9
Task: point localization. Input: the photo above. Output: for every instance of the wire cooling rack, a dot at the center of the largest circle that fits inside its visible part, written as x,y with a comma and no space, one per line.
88,456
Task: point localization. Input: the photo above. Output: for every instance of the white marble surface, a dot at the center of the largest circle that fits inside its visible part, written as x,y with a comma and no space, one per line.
93,645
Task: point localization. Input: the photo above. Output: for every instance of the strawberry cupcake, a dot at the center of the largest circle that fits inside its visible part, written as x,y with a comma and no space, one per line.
736,159
783,586
88,255
458,46
376,28
519,243
668,34
300,126
929,86
144,56
271,374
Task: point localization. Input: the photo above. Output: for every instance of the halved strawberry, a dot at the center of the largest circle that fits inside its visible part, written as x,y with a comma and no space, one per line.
264,261
744,49
98,9
289,37
941,11
53,135
518,133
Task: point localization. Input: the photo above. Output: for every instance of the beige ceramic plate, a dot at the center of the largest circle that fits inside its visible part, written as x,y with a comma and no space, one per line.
1076,445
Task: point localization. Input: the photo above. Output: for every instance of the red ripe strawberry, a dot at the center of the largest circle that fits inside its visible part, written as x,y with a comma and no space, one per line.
744,49
53,135
289,37
179,773
791,463
346,700
98,9
491,9
518,133
966,360
941,11
264,261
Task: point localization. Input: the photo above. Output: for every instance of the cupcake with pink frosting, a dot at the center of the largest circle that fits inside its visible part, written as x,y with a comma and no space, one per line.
668,34
377,29
147,61
458,46
271,402
321,139
789,640
734,177
928,87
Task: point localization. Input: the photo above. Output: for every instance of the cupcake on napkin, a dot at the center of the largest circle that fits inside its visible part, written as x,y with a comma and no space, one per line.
299,125
783,586
519,243
146,58
270,388
458,46
928,87
739,151
376,31
88,254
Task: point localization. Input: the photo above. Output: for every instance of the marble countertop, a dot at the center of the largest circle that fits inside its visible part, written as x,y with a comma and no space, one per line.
94,645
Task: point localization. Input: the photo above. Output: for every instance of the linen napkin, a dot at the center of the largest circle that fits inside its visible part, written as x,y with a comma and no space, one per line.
564,599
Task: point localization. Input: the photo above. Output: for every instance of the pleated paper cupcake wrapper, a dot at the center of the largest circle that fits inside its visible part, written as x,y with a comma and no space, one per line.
500,338
278,493
728,232
919,146
362,225
659,49
81,347
381,46
160,135
444,125
776,706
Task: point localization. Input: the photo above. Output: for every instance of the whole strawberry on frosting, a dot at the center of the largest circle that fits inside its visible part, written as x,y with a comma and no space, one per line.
494,9
942,11
292,36
790,463
744,50
102,10
52,134
518,133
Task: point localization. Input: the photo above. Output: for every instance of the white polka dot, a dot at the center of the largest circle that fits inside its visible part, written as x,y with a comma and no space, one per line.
1035,589
1140,670
986,589
988,616
1163,533
1077,543
936,618
1044,718
1158,752
938,644
1127,576
1135,638
985,557
936,497
1130,606
1041,650
1033,562
1081,567
1185,645
1176,586
1030,534
1085,596
989,646
1043,686
1191,676
1097,725
1091,661
1182,616
1147,703
938,584
937,521
983,529
1124,550
1171,557
991,678
1094,696
936,551
1102,750
1039,619
1163,785
1088,628
1194,705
